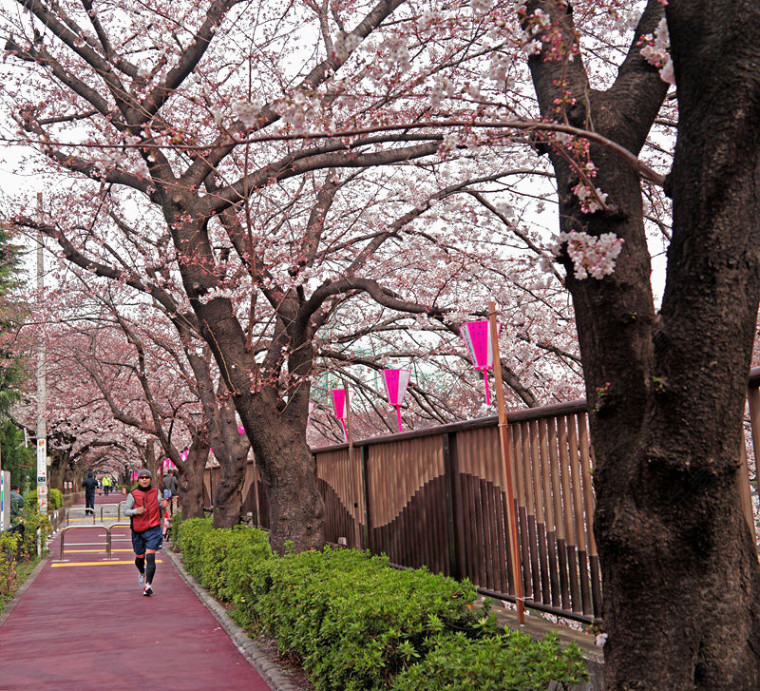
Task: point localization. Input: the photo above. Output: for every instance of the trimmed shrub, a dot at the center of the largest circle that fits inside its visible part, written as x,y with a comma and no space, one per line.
55,499
222,560
19,546
510,661
355,622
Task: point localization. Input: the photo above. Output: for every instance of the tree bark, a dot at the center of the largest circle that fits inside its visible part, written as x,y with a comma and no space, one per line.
296,508
666,392
191,481
228,492
277,431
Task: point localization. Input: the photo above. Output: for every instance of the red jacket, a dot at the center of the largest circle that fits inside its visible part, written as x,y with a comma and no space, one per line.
151,500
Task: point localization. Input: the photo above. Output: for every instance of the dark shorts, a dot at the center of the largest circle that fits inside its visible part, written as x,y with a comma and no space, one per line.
147,539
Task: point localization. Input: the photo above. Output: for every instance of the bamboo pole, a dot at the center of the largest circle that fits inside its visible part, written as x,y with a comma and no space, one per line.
504,441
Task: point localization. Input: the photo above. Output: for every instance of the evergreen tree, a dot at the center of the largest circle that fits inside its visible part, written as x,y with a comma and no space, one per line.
17,457
12,314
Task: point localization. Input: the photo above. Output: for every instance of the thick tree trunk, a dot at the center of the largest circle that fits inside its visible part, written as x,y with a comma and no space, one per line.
296,508
671,523
276,430
228,492
191,483
666,392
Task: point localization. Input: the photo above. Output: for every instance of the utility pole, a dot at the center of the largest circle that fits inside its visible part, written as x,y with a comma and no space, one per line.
42,488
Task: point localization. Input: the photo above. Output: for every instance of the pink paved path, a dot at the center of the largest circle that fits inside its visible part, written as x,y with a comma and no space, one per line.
84,627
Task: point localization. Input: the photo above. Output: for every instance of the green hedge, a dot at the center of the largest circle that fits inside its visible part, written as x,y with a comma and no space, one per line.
355,622
55,499
510,661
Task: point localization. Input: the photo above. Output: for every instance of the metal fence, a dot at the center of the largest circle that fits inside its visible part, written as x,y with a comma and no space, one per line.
437,498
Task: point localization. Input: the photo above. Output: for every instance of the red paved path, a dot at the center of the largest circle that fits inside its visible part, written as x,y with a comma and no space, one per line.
89,627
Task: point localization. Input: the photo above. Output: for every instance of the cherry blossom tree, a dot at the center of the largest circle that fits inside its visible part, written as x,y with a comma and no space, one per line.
157,379
226,192
666,388
319,155
141,90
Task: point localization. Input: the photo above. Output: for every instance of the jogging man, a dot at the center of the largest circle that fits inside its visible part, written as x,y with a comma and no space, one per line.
143,507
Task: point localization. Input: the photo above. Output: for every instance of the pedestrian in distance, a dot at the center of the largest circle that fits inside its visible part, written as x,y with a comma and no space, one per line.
106,482
90,484
17,503
143,507
170,485
175,492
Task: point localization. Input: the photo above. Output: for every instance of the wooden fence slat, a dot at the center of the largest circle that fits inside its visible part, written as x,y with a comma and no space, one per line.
551,529
570,526
580,527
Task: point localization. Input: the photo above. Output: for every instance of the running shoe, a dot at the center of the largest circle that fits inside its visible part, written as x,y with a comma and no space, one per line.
148,591
141,580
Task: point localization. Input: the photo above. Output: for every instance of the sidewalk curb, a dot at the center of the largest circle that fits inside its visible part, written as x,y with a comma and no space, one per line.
270,671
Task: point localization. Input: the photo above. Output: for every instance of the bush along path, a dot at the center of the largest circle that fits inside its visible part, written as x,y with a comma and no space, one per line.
354,622
18,552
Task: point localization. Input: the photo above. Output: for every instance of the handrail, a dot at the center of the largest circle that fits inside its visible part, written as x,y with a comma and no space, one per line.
522,415
87,527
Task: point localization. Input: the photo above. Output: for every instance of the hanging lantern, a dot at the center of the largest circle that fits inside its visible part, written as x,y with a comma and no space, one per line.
341,406
168,464
477,336
312,405
396,383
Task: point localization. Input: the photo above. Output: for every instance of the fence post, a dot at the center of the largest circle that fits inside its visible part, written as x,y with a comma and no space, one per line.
450,468
365,490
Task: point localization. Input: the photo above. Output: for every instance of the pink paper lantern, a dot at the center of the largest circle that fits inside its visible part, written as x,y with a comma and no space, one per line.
477,336
241,429
312,405
341,406
396,383
168,464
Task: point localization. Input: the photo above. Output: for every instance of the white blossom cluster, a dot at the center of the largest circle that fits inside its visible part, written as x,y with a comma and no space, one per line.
218,292
539,23
295,111
442,86
592,256
345,45
592,200
481,6
397,54
246,111
656,51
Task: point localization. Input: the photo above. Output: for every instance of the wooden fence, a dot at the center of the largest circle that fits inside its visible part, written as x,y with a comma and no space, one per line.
437,497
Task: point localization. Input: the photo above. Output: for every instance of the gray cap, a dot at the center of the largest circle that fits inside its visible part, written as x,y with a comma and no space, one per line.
144,473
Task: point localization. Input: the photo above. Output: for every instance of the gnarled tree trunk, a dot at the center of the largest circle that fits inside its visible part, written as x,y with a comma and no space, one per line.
666,391
228,492
191,480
